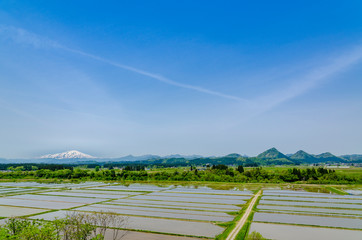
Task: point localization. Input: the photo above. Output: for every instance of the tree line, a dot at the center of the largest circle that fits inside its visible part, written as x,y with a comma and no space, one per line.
215,173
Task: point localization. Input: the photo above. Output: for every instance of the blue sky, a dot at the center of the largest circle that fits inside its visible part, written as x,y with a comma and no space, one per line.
114,78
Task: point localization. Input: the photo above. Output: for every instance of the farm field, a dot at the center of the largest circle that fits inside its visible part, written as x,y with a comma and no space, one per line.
288,232
174,212
7,211
191,212
287,214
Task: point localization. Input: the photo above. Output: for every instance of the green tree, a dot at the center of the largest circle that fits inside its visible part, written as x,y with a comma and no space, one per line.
34,168
240,169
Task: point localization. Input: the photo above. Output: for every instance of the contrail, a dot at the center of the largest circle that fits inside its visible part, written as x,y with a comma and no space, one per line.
153,75
261,104
313,79
306,83
22,36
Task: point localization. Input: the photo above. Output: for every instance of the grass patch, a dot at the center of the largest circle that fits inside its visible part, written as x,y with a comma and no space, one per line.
335,190
35,214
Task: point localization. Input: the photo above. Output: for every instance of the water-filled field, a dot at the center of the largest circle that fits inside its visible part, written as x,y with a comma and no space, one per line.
14,190
73,199
51,185
306,215
311,210
305,194
179,205
354,192
199,199
136,187
188,210
7,211
165,209
195,195
155,212
312,204
203,190
86,194
162,209
288,232
354,223
7,201
97,191
312,199
204,229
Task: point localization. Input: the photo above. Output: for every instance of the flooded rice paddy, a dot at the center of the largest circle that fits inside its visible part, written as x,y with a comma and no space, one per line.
305,215
312,204
206,190
194,195
50,185
311,210
135,187
199,199
288,232
205,229
313,199
176,205
87,195
189,210
73,199
7,201
142,212
162,209
179,203
110,192
305,194
7,211
354,192
165,209
354,223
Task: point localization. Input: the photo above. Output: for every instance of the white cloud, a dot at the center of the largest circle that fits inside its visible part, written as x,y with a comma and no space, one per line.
298,87
22,36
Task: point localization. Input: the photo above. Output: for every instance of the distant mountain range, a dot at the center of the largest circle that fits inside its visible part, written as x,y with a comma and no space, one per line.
301,155
304,157
352,157
272,153
268,157
74,154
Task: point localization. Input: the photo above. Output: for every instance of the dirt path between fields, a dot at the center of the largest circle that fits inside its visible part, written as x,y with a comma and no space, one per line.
243,220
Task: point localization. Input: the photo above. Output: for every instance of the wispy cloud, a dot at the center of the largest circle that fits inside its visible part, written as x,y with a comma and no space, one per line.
297,87
311,80
22,36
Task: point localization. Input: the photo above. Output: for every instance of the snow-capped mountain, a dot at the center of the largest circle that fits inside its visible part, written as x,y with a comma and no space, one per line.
68,155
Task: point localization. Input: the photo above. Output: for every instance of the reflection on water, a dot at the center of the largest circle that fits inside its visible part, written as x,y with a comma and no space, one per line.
288,232
353,223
